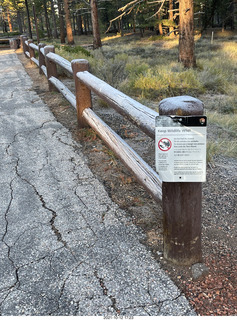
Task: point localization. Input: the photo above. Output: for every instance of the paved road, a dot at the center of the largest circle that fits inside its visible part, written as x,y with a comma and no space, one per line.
66,248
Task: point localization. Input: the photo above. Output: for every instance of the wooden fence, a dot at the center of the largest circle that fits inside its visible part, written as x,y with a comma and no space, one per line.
181,201
11,43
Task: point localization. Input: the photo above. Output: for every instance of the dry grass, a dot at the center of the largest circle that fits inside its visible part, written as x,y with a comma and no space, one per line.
149,70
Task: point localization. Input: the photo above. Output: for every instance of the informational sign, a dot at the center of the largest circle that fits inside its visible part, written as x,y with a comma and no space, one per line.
181,148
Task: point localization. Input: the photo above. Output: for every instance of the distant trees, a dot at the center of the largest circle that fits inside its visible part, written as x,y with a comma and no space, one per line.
77,17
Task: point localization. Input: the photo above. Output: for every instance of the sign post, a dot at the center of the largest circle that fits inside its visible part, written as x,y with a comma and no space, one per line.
181,163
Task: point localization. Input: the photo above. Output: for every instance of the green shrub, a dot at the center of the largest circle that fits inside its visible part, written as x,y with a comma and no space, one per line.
76,49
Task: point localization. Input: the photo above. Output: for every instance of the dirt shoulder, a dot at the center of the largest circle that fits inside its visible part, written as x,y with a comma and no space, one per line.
214,294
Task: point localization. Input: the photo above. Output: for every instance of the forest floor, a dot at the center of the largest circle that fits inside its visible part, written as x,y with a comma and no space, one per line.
214,293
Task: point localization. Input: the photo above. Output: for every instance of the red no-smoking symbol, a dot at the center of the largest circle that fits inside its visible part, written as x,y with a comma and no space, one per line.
164,144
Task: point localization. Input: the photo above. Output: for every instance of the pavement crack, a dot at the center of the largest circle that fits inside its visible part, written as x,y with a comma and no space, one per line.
84,204
63,287
105,293
25,131
53,212
4,235
65,143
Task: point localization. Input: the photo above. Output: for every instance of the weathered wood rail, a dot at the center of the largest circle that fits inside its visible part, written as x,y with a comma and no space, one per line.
182,245
11,43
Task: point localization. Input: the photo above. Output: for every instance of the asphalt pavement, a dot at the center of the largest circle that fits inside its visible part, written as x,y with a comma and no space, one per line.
66,248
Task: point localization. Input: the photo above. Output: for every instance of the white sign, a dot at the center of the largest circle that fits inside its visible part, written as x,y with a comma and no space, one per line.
181,148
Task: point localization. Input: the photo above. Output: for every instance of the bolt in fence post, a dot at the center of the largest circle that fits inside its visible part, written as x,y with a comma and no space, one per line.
83,94
51,67
31,51
182,201
41,58
24,38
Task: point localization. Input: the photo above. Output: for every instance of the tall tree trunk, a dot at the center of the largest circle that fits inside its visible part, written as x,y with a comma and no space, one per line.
79,23
88,23
4,24
186,34
234,13
55,32
171,16
28,18
49,34
121,27
95,25
61,21
36,24
19,22
85,24
9,20
134,21
160,25
70,38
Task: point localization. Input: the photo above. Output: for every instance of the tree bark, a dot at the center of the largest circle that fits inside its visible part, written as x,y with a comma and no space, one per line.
160,25
79,23
55,32
36,24
95,25
49,34
171,18
70,38
28,18
61,21
9,20
19,22
186,34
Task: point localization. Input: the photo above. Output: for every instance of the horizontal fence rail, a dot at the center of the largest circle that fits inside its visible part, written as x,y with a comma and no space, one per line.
65,64
138,114
145,175
181,202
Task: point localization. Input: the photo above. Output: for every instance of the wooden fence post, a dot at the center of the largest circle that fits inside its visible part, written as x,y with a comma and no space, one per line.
182,201
83,94
41,58
24,38
51,67
21,41
31,51
13,43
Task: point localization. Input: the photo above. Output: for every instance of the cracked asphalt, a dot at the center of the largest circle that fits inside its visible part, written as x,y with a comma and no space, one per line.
66,248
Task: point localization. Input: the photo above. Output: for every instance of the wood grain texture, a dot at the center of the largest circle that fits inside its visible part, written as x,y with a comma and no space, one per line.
65,64
144,174
140,115
64,91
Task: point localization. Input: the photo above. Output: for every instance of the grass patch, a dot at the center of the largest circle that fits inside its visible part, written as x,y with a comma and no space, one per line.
225,121
147,69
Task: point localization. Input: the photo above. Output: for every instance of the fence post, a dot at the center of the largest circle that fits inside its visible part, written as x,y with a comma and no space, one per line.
24,38
13,43
31,51
21,41
41,58
51,67
182,201
83,94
